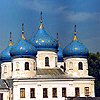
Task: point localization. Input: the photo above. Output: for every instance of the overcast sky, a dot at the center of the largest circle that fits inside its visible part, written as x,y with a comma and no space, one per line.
58,16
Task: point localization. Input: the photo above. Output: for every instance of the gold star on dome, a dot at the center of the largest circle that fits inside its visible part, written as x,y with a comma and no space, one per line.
36,41
42,40
76,48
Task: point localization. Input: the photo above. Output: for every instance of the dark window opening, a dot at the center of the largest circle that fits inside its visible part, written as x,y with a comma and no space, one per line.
46,61
80,66
12,66
26,65
54,92
1,96
63,92
32,92
45,93
77,92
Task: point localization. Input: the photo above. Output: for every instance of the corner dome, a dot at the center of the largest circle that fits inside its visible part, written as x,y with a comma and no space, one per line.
43,41
5,54
60,54
75,48
23,48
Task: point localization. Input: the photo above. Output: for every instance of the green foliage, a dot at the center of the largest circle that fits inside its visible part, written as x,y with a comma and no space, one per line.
94,70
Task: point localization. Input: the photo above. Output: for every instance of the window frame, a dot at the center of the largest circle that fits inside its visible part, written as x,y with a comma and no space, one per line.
46,61
77,92
86,91
54,92
64,92
26,65
80,66
32,92
5,68
45,92
17,66
22,92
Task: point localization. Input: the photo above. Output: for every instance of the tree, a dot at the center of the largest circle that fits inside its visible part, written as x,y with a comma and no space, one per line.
94,70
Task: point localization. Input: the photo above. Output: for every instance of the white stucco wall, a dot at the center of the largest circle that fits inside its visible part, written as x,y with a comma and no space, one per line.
41,59
72,67
6,70
19,68
58,83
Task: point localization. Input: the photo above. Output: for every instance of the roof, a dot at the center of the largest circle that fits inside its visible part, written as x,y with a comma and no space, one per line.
52,72
5,84
55,73
9,82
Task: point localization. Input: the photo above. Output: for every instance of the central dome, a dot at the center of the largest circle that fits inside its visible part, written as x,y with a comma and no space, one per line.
43,41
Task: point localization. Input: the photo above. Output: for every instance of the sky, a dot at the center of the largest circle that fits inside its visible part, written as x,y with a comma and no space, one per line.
59,16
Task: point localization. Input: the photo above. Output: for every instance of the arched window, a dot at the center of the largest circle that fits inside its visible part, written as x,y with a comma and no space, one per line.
71,66
26,65
46,61
5,69
12,66
17,66
80,66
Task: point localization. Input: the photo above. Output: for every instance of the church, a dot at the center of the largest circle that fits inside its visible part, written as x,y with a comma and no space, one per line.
39,69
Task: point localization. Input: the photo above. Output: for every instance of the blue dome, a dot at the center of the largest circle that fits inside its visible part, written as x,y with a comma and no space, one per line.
60,55
23,49
43,41
5,54
75,49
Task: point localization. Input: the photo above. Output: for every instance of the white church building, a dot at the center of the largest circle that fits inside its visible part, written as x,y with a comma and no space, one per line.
40,70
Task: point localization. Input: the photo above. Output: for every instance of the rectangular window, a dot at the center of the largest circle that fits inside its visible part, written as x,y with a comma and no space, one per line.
54,92
1,96
32,92
22,92
45,93
86,91
63,92
77,92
